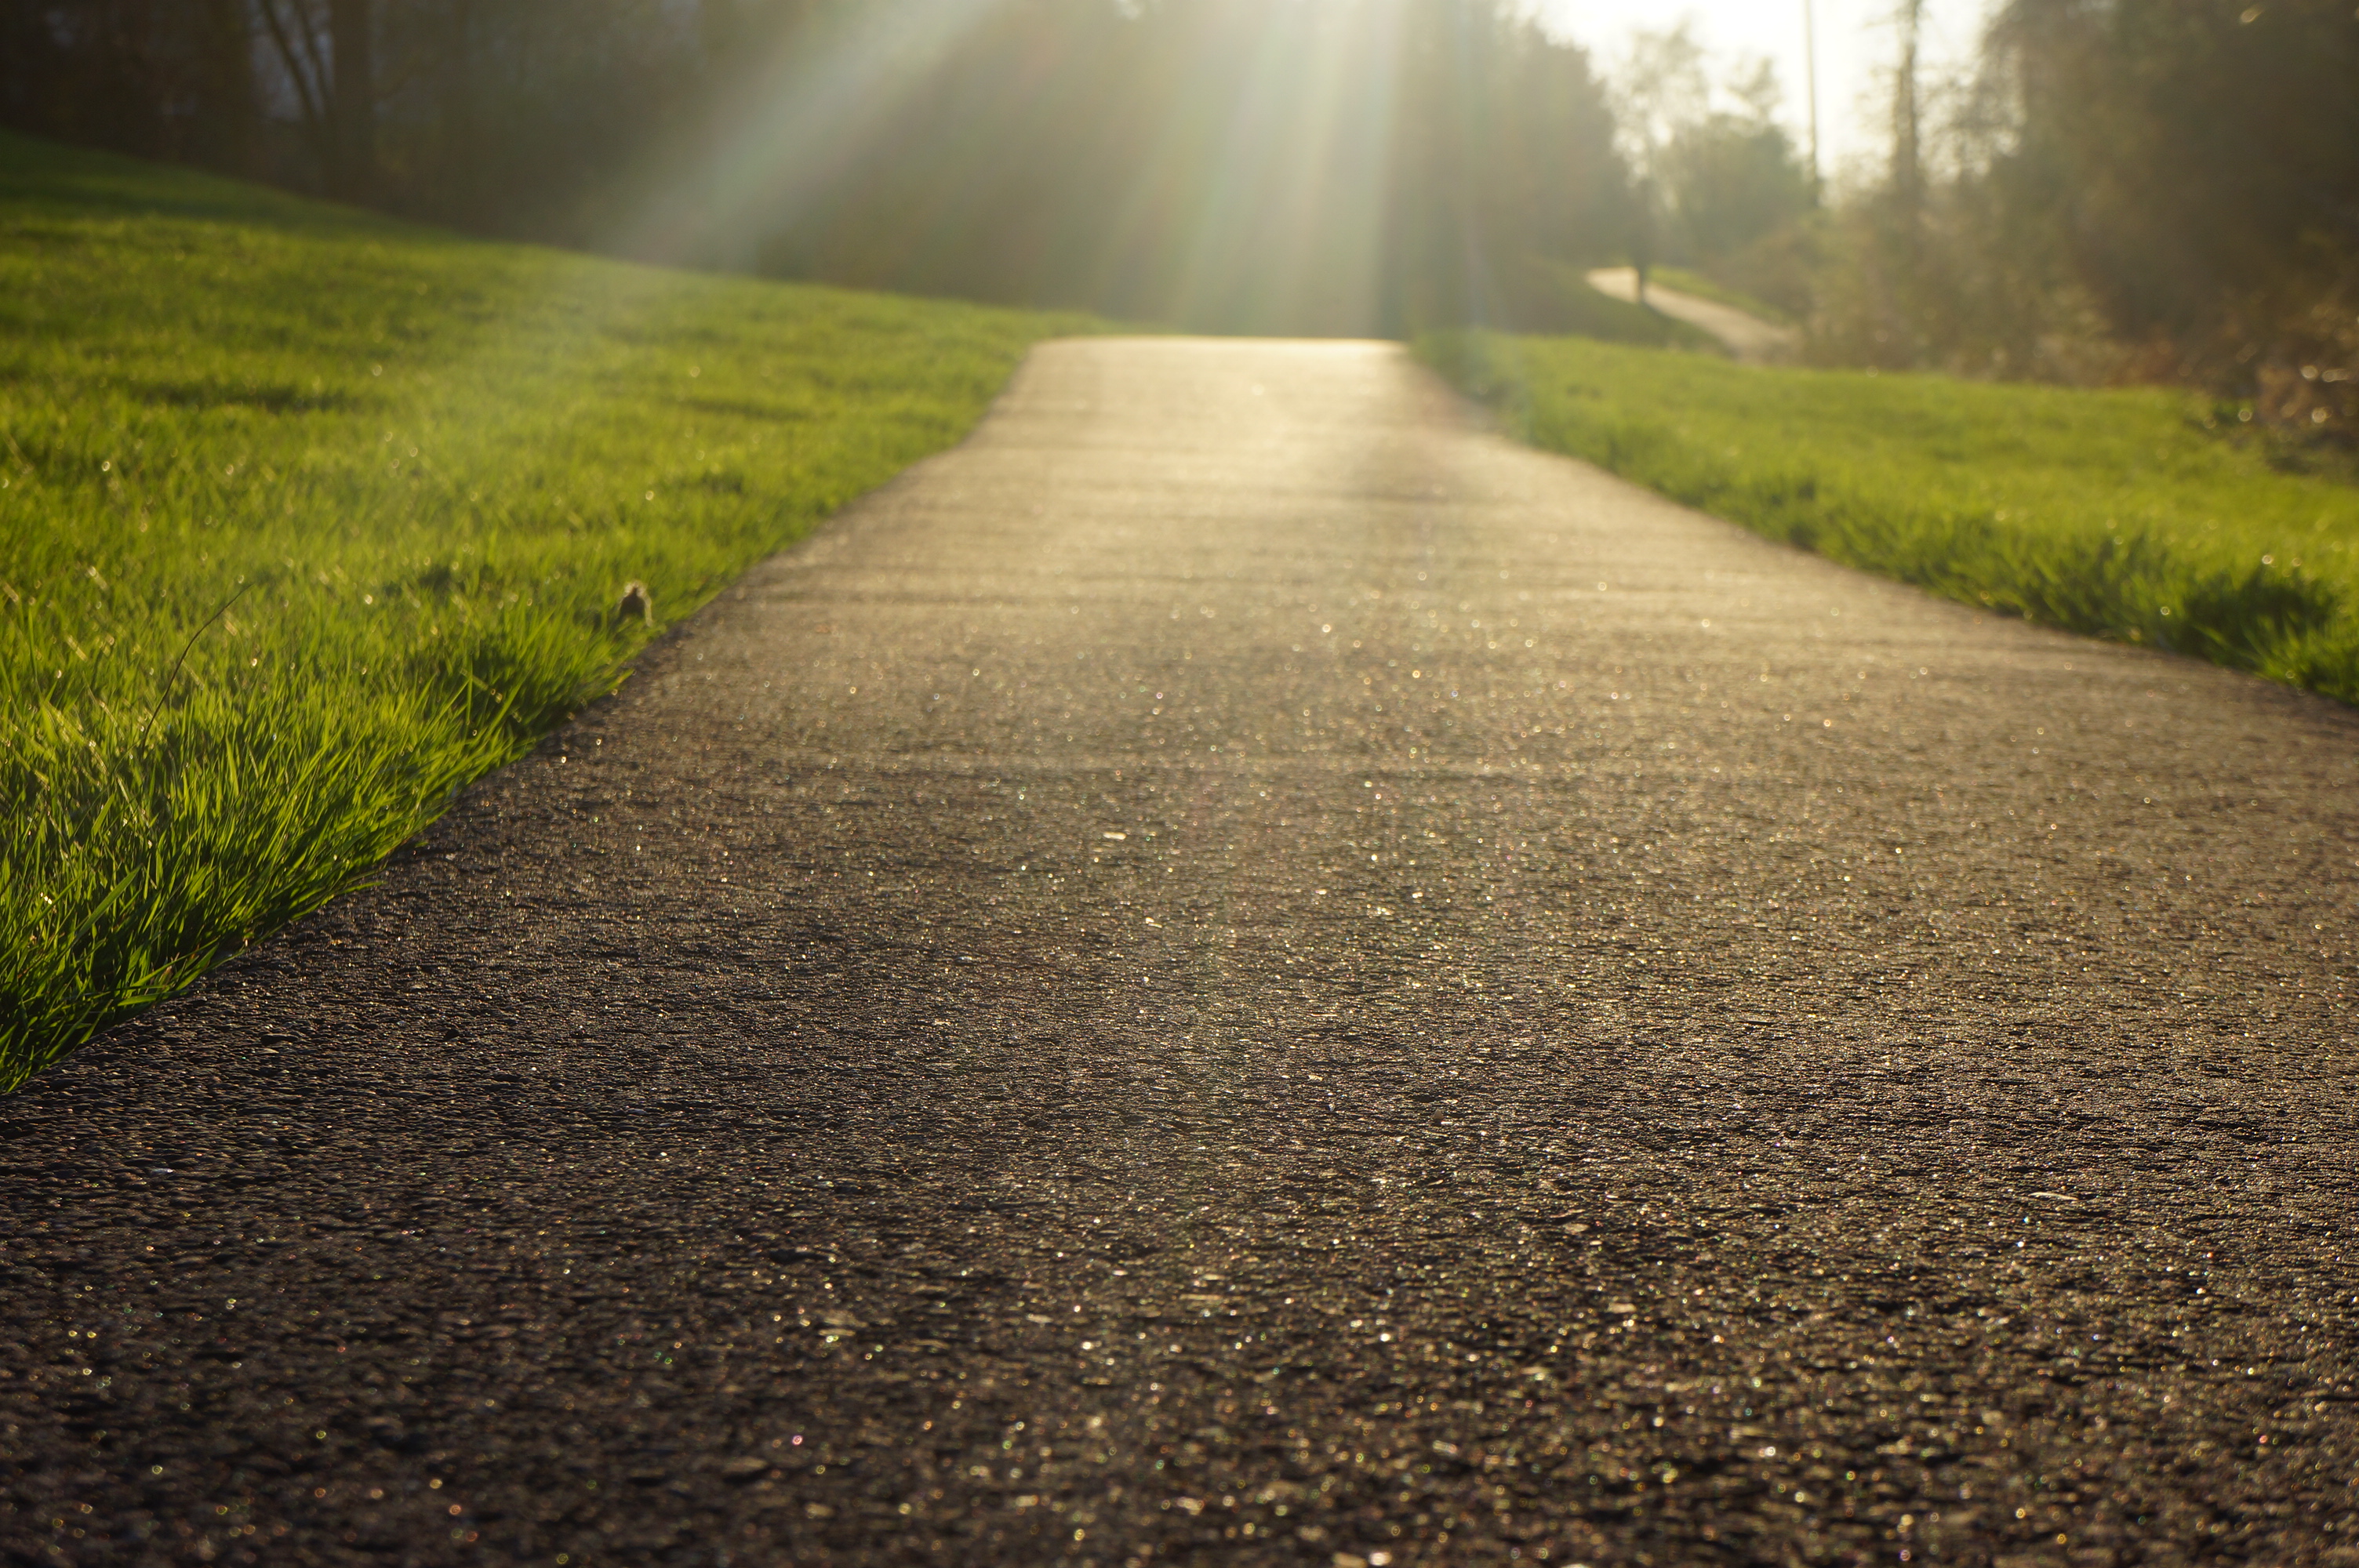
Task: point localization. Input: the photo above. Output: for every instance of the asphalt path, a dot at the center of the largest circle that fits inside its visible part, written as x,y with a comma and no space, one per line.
1241,971
1749,338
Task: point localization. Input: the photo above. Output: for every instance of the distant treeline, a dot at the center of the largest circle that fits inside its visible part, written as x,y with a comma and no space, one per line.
1284,166
2119,190
2116,190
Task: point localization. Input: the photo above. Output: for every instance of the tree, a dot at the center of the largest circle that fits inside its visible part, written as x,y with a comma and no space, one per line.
1289,165
2194,167
1301,165
226,114
1715,175
148,77
1661,89
1732,177
1908,151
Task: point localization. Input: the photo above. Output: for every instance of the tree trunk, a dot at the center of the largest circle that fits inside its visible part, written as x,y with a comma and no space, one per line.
352,97
1908,162
225,134
462,152
25,66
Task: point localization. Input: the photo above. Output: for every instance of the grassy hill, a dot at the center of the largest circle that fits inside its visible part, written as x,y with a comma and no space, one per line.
2142,515
307,518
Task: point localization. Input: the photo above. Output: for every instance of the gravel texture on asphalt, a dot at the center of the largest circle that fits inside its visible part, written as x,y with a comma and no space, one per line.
1241,971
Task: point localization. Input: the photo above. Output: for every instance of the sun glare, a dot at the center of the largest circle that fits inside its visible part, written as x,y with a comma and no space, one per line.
1309,166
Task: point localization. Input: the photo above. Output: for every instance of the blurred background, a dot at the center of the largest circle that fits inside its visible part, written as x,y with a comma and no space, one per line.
2079,190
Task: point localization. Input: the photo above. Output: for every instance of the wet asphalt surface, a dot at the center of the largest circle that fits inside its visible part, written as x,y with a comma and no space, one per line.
1240,972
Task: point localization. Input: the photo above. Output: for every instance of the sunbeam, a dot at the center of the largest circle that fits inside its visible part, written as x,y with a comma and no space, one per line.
1313,166
827,94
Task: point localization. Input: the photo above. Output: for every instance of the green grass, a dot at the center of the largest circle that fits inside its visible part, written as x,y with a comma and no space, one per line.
307,518
2122,514
1680,280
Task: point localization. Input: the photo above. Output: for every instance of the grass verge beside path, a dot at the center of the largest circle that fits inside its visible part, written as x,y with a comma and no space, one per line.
307,518
2114,514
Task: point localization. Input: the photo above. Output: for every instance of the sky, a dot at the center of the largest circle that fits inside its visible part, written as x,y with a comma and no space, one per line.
1856,45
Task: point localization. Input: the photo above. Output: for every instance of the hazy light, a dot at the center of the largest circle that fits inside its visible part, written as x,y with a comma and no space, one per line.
1265,229
1856,46
795,124
1294,167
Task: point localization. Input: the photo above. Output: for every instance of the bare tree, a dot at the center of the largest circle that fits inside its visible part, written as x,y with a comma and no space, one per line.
327,53
1907,152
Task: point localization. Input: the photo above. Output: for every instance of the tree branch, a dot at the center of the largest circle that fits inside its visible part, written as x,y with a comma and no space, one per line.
306,83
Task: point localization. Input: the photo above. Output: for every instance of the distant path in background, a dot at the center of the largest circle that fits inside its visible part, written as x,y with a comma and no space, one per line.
1241,971
1748,337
